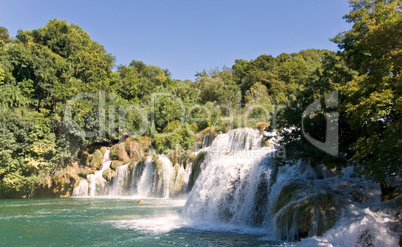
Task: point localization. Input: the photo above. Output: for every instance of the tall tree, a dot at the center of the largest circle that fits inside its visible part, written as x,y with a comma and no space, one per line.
374,99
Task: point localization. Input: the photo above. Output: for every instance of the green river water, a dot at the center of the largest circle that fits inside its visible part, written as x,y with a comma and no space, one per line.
111,222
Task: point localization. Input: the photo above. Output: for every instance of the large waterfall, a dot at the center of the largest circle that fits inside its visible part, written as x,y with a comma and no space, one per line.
235,180
241,185
235,168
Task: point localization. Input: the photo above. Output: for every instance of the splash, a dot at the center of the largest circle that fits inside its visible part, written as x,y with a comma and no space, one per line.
235,185
154,178
240,185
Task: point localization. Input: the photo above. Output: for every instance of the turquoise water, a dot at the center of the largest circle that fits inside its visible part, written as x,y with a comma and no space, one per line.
111,222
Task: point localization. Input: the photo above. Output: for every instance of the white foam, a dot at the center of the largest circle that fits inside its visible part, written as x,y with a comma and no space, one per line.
358,227
152,225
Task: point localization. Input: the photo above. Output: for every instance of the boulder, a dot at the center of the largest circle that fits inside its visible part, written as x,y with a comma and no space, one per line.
261,126
108,175
313,215
115,164
118,152
96,159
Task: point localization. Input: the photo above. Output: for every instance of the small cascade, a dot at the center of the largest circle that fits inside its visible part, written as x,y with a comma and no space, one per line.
145,183
179,181
81,189
121,182
162,177
150,178
187,177
97,184
229,143
207,141
135,177
238,140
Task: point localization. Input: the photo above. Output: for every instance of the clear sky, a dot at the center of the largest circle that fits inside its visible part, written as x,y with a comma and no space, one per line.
188,36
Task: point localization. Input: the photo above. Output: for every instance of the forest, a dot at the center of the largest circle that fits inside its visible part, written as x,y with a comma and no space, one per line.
62,95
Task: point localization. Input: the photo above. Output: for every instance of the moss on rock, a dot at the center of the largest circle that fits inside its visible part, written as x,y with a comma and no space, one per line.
311,216
115,164
96,159
118,152
198,160
287,193
137,147
108,175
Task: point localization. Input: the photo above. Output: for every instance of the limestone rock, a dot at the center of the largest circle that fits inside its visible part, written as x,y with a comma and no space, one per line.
108,175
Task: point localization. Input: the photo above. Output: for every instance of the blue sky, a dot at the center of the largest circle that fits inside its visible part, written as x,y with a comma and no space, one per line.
188,36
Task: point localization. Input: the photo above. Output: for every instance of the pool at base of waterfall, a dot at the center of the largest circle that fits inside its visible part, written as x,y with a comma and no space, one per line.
114,221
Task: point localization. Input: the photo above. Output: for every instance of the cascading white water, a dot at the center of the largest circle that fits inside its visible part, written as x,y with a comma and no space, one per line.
235,140
179,180
121,181
241,185
152,178
81,189
207,141
162,177
145,183
187,176
234,169
95,185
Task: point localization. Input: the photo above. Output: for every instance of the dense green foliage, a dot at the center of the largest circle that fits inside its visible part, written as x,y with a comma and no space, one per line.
59,96
367,73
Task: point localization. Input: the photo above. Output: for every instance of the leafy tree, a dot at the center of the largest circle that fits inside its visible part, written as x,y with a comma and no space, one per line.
331,75
374,47
258,101
90,61
4,36
216,89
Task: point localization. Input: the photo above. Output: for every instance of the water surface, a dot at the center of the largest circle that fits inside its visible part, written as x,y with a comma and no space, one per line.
111,222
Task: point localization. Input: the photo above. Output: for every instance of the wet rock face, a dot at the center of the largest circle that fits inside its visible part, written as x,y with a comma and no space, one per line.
358,197
108,175
96,159
198,160
137,148
300,215
118,152
324,172
116,164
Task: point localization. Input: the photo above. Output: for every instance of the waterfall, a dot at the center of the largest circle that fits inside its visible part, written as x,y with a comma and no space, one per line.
162,177
121,182
95,185
234,180
81,189
145,183
154,177
235,168
241,185
187,176
207,141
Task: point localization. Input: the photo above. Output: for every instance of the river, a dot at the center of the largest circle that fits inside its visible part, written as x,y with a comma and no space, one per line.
112,222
